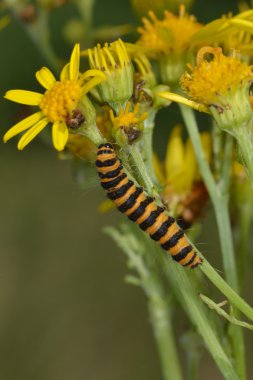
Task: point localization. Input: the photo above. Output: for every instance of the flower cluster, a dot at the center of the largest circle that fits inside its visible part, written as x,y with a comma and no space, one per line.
116,99
103,116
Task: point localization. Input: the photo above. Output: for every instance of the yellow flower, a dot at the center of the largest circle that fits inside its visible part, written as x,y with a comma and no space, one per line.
213,80
230,32
180,175
58,105
128,125
170,41
145,71
114,62
218,85
173,34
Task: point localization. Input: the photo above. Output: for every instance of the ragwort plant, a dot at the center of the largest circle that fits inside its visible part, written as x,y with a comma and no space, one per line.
112,105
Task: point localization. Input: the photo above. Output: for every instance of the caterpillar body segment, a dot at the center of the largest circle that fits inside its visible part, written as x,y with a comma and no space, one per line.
132,201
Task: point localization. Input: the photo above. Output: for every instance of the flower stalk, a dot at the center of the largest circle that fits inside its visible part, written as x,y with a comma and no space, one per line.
159,309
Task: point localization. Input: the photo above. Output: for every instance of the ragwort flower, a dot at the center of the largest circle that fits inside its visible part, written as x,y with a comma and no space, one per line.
183,188
113,60
128,124
170,41
58,105
222,84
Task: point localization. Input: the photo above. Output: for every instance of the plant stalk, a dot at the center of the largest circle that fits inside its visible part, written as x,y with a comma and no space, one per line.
219,198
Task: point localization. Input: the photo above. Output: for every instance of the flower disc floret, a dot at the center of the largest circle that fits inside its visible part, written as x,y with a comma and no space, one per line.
171,34
127,118
214,79
60,100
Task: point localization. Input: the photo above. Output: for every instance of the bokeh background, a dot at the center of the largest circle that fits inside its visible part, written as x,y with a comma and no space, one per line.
65,310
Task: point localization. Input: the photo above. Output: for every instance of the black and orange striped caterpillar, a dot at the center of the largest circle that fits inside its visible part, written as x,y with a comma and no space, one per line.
132,201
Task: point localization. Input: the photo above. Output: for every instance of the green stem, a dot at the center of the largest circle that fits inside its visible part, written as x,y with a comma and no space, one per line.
187,295
244,224
206,268
212,305
225,289
163,332
147,141
140,167
243,136
192,128
219,197
158,308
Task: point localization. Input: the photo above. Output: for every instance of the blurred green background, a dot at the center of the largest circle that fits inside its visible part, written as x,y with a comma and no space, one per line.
65,311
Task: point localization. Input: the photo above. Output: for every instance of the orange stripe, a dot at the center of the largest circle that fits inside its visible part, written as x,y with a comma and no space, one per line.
159,221
197,260
123,182
138,201
187,258
125,197
151,207
107,169
171,231
104,180
182,243
107,156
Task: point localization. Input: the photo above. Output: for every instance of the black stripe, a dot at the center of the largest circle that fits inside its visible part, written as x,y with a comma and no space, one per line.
105,163
106,145
183,253
184,224
110,184
151,218
131,200
110,174
191,260
163,229
104,151
140,209
197,264
173,240
121,191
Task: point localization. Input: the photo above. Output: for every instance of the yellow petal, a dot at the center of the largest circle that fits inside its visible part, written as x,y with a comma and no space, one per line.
209,29
190,166
65,73
24,97
245,25
182,100
92,83
45,78
74,63
93,73
33,132
174,159
60,135
22,125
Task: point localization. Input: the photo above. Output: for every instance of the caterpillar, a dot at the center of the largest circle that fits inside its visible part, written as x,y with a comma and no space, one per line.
132,201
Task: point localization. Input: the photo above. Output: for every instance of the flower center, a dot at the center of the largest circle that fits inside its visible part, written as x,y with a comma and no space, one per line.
215,78
173,33
128,118
59,102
